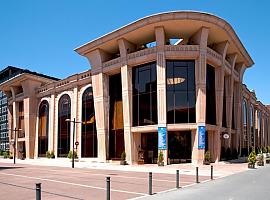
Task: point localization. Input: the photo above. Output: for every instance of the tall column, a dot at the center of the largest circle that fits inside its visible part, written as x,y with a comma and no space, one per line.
230,95
74,114
200,78
51,123
126,78
30,116
161,84
221,48
237,116
100,82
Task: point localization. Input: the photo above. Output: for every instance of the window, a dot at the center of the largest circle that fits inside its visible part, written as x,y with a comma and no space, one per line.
64,112
43,128
116,124
210,96
144,80
180,92
89,132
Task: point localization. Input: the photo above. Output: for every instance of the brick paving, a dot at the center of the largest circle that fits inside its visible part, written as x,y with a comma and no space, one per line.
89,181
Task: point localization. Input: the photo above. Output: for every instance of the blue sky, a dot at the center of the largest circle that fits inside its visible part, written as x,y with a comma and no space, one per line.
41,35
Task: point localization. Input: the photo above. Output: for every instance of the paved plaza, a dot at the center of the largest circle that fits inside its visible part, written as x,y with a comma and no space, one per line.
88,180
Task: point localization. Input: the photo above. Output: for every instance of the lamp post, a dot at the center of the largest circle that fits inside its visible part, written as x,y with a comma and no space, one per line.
14,145
73,141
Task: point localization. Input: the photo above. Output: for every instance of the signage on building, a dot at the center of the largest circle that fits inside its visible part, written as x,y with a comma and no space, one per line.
162,138
226,136
201,137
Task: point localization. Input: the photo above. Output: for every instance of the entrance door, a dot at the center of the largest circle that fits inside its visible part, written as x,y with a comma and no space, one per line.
116,144
179,144
149,143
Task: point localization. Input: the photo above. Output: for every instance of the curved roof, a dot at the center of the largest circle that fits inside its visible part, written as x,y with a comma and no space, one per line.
177,24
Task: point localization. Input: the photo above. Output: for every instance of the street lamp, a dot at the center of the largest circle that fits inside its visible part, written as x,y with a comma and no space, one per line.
74,122
14,144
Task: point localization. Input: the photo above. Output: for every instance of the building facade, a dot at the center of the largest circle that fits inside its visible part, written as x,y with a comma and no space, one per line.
176,71
4,139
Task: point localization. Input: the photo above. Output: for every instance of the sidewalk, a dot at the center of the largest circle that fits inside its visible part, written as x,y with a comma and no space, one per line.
220,169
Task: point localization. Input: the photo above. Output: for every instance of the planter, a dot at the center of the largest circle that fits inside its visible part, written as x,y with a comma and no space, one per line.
206,162
251,166
160,163
260,163
140,162
123,162
267,161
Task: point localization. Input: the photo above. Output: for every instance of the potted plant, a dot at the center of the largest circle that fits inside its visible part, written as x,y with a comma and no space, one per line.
252,160
70,154
260,161
160,159
140,157
267,158
123,158
207,158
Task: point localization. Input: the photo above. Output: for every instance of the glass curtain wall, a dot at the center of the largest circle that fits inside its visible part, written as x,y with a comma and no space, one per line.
64,112
89,132
210,95
181,97
116,135
43,128
144,81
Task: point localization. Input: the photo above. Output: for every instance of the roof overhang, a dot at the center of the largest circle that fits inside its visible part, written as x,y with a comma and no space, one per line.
177,24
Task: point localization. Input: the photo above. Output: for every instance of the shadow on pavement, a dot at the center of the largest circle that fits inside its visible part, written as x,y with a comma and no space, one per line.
5,168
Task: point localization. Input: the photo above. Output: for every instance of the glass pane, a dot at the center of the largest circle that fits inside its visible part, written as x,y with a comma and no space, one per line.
181,107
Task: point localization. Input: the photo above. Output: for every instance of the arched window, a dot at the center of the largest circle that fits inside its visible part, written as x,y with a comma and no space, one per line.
63,126
252,126
43,127
89,132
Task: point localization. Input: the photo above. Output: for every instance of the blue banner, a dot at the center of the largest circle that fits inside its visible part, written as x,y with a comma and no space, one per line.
201,137
162,138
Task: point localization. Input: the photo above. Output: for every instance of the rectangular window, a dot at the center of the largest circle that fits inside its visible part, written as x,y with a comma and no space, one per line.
210,95
181,97
144,81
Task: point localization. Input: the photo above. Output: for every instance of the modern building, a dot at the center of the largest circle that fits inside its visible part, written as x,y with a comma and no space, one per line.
4,139
170,82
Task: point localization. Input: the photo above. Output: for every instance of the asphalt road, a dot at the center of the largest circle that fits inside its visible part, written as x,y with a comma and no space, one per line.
18,182
248,185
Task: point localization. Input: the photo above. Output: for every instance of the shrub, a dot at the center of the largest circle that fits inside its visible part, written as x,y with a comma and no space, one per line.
70,154
5,154
160,157
50,154
268,149
207,156
252,158
123,155
1,152
264,150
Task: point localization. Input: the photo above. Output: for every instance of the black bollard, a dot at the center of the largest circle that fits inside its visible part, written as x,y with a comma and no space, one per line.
108,185
177,179
212,172
197,174
150,183
38,191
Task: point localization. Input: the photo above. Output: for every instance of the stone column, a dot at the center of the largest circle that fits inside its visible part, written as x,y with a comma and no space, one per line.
200,78
126,77
100,82
161,84
51,123
30,116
